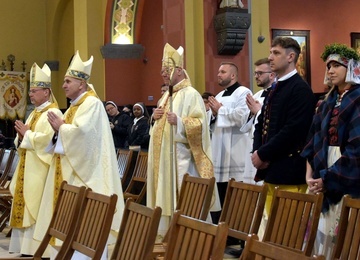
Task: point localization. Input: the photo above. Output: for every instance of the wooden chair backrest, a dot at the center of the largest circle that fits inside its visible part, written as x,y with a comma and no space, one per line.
2,151
255,249
92,232
137,186
6,160
124,159
195,196
347,245
243,208
9,171
195,239
293,217
65,217
137,232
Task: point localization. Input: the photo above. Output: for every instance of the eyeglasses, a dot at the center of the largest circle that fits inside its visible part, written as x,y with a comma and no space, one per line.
110,109
259,73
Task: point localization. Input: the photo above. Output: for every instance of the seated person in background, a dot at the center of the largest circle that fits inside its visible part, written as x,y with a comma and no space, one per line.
127,109
164,88
205,96
119,123
138,132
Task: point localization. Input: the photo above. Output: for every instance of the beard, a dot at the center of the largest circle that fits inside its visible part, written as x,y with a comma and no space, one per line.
224,82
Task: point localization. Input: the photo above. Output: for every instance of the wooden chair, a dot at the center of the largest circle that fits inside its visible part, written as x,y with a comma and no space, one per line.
5,195
293,216
9,170
6,160
137,186
124,159
243,208
195,239
2,151
92,231
255,249
194,201
64,219
347,245
137,232
195,196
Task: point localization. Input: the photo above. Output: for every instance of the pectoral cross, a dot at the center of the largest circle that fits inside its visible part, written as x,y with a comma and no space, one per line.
23,65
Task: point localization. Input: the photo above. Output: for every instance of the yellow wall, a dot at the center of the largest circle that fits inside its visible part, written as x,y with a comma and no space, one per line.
76,25
41,30
259,26
194,38
23,32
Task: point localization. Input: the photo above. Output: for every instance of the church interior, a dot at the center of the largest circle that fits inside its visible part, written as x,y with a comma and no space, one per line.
126,39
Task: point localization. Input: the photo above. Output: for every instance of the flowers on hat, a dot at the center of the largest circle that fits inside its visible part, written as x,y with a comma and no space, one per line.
340,53
345,56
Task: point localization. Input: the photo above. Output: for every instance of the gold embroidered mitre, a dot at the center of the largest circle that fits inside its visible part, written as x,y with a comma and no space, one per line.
173,58
41,78
80,69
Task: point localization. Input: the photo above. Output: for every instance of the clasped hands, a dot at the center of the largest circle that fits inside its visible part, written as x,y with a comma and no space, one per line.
21,128
55,121
214,105
253,105
170,116
315,185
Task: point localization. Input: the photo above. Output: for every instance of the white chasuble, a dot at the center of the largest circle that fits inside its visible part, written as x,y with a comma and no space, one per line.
88,158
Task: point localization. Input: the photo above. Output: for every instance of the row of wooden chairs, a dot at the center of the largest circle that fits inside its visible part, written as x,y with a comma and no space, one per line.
292,225
81,220
292,214
347,243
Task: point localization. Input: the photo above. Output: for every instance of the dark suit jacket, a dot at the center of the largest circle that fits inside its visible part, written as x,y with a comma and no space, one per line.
291,108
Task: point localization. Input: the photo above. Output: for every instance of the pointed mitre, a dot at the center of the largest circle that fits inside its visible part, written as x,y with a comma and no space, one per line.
40,77
173,58
80,69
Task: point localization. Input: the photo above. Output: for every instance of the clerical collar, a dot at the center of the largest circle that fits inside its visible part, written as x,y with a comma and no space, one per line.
43,105
228,91
73,102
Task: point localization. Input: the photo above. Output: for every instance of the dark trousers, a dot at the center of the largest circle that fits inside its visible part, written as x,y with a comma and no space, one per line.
222,187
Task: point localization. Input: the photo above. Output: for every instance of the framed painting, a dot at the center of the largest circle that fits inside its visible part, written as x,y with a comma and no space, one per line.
303,38
355,41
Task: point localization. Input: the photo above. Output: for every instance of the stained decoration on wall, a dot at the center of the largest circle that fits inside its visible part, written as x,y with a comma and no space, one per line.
123,21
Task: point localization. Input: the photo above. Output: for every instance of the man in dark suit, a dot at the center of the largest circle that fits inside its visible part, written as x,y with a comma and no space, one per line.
284,123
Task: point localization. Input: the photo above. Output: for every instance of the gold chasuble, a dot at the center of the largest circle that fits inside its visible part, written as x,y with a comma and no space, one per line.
192,151
28,162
